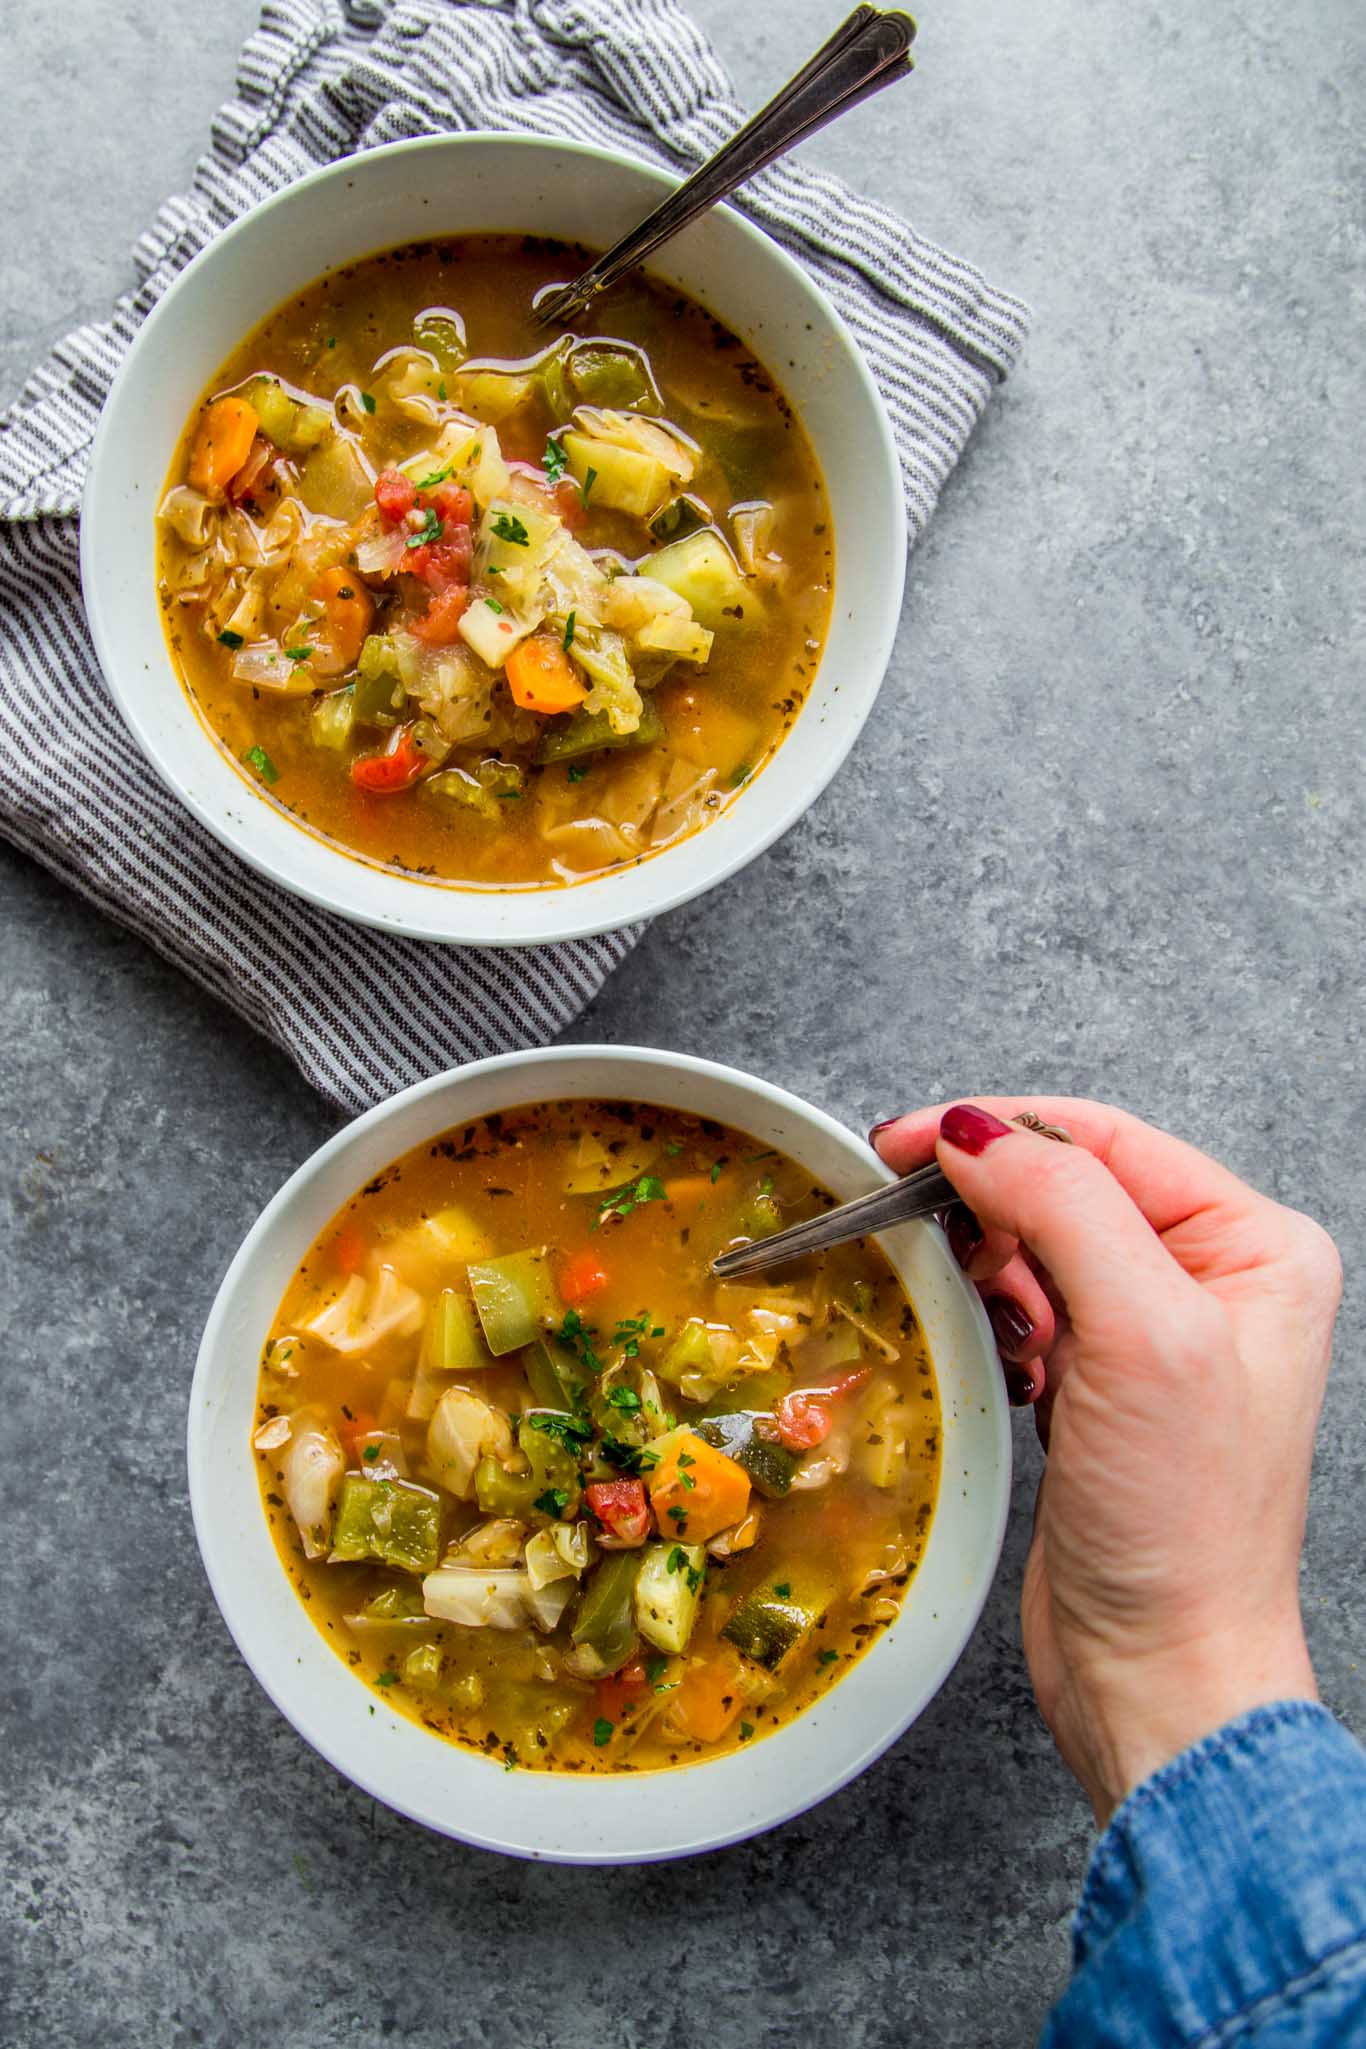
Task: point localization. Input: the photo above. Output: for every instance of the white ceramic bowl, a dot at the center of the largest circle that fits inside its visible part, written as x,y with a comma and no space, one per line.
558,1816
408,192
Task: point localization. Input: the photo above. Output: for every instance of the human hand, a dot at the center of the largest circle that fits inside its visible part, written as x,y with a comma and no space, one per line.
1175,1329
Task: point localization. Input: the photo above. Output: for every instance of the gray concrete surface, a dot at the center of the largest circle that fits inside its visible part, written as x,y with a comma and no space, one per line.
1102,834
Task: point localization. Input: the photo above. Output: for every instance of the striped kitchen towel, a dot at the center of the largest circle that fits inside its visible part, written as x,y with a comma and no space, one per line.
362,1012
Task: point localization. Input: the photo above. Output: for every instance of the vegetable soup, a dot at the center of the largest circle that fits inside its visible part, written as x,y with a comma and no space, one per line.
554,1491
498,608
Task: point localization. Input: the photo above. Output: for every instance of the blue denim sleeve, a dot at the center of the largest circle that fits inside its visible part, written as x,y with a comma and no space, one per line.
1226,1902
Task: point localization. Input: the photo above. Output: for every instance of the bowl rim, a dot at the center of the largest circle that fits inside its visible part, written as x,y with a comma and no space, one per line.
241,1616
444,912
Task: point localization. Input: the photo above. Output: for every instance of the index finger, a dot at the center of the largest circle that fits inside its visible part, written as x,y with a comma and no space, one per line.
1168,1180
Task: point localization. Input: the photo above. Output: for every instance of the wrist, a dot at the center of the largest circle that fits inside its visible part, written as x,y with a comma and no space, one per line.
1135,1714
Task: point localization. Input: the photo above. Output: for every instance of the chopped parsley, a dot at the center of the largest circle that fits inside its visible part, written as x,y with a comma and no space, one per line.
679,1517
568,640
371,1452
257,758
625,1399
441,394
602,1732
430,530
688,1481
673,1148
631,1329
553,1502
367,400
298,654
783,1589
578,772
655,1668
556,461
590,479
686,1458
332,341
746,1731
436,477
694,1579
716,1174
567,1430
227,638
827,1657
739,775
579,1336
626,1458
677,1559
386,1679
647,1189
493,604
511,529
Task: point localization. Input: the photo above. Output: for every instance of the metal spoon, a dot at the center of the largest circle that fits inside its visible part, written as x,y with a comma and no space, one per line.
916,1195
867,52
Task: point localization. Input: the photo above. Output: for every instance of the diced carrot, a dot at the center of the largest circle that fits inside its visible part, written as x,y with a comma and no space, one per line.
354,1433
708,1698
695,1490
349,1248
540,677
620,1691
581,1277
348,613
222,444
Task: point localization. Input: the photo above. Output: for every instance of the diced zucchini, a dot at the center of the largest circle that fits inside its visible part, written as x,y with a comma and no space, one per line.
770,1465
500,1492
767,1626
554,1468
613,373
452,1341
493,631
701,568
332,717
623,479
590,732
516,1299
441,331
604,1628
684,515
689,1351
667,1592
387,1520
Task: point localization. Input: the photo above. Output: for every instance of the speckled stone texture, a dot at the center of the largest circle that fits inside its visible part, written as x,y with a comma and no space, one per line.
1102,835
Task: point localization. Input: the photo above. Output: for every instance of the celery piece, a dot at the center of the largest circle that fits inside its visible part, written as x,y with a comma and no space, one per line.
441,332
685,515
390,1521
667,1592
590,732
554,1467
500,1492
332,717
614,373
458,787
700,568
452,1341
766,1628
379,695
688,1352
422,1667
604,1625
395,1604
770,1465
515,1297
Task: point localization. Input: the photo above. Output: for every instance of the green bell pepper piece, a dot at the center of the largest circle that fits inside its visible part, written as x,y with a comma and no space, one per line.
557,1379
685,515
613,373
499,1492
390,1521
441,333
605,1623
452,1341
590,732
332,717
378,694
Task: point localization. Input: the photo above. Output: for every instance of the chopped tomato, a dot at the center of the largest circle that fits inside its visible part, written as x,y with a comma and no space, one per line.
619,1691
620,1506
569,504
581,1277
349,1248
444,562
804,1417
354,1433
395,494
454,505
440,623
381,775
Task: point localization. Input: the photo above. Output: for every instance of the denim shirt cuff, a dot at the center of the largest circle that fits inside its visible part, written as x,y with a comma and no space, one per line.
1245,1859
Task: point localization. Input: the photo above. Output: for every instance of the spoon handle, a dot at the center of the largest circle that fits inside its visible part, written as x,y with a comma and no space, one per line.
917,1195
866,52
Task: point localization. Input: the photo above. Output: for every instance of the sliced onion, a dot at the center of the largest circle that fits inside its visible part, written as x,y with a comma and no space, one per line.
189,514
265,667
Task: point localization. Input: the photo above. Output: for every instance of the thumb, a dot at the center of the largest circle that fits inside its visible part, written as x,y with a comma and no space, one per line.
1059,1200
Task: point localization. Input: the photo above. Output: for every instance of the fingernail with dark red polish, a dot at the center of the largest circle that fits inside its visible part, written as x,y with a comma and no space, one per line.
1012,1327
963,1231
970,1129
885,1125
1021,1386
